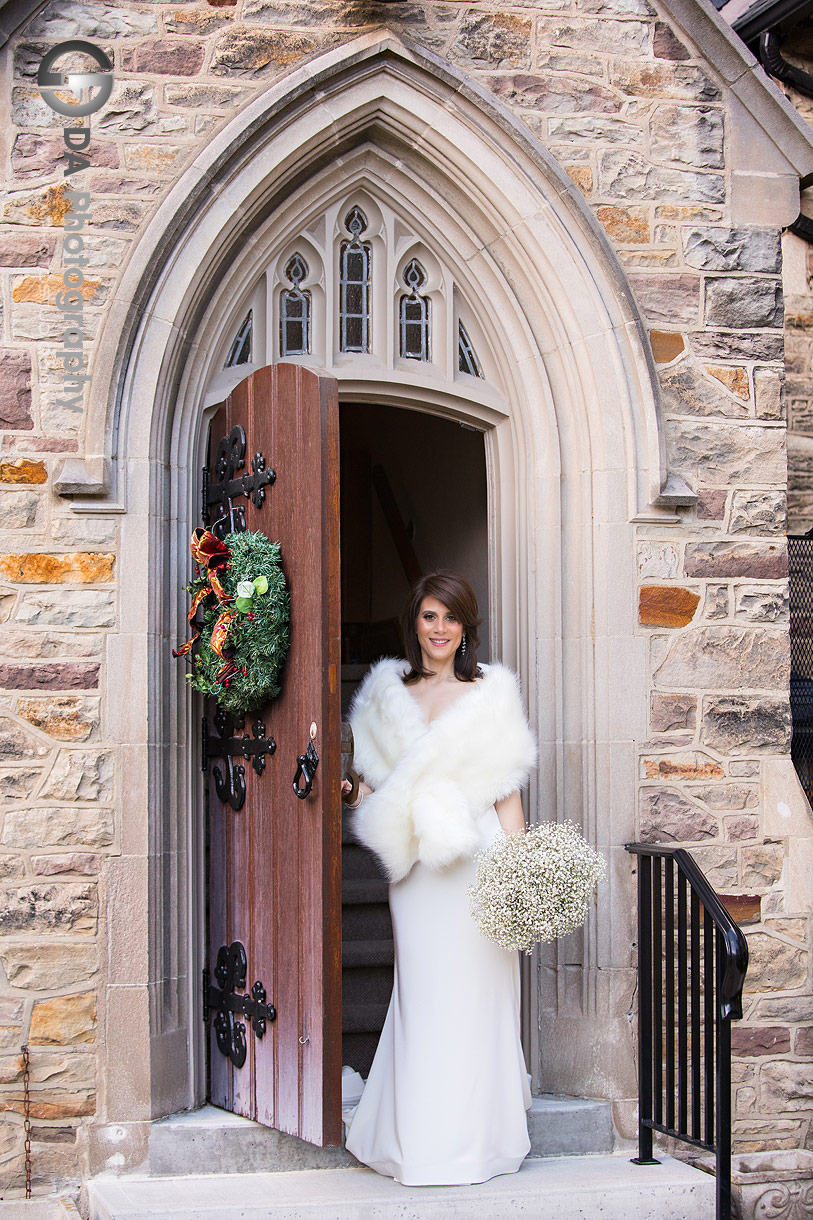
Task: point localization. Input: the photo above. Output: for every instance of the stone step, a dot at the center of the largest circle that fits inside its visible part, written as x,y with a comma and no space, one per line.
214,1141
571,1188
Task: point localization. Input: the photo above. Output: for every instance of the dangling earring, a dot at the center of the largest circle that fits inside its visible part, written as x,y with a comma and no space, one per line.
463,648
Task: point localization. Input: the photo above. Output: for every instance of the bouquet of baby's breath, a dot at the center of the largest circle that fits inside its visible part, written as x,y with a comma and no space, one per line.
535,887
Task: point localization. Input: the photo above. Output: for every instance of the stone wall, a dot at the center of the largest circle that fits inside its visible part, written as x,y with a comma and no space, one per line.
642,126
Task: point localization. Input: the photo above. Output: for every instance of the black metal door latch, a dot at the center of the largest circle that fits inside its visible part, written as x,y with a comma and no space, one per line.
305,771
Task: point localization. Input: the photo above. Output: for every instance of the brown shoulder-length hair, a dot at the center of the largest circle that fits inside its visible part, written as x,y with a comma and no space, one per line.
458,595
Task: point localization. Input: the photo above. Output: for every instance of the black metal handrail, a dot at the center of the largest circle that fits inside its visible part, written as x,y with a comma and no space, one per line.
692,960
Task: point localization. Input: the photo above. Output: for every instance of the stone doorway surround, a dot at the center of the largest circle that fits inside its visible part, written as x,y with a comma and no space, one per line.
575,457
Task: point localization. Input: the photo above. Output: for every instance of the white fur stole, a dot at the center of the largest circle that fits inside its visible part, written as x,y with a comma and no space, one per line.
434,781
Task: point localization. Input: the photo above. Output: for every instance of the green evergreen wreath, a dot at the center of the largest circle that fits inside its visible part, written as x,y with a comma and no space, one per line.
247,673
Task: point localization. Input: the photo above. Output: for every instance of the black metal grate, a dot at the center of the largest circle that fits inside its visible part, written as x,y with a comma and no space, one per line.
800,574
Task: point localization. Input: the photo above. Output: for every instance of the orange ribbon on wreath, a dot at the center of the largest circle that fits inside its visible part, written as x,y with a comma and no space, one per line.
212,556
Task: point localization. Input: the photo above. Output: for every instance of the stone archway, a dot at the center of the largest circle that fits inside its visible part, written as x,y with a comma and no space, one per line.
575,456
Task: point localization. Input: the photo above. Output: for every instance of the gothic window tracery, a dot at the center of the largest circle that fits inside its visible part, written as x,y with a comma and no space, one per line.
355,270
415,311
467,361
240,350
295,311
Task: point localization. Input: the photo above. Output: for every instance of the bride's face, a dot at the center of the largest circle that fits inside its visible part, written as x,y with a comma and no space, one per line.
439,632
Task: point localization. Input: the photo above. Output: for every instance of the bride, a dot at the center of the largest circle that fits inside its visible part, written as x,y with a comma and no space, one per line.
444,748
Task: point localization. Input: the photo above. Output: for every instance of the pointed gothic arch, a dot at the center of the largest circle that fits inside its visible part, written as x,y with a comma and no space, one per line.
575,453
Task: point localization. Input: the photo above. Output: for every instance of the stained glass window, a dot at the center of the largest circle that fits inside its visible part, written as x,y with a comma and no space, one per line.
240,350
295,311
467,361
414,319
355,262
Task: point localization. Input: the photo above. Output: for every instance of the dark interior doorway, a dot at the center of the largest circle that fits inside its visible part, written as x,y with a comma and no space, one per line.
413,498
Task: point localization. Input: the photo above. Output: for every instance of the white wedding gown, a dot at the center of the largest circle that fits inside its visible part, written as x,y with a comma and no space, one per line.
447,1092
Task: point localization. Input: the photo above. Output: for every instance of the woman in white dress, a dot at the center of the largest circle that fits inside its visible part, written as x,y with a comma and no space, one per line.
444,746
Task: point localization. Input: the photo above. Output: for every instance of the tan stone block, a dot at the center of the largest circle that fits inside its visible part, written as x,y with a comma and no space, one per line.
762,865
774,965
85,863
758,512
768,394
11,867
67,608
720,866
80,775
726,658
796,929
46,967
494,40
668,817
582,176
53,908
18,784
159,159
58,827
23,471
734,379
64,1020
80,568
683,766
666,345
16,744
51,1103
43,289
11,1036
669,712
630,224
666,606
787,1086
727,796
66,717
50,1068
19,509
248,50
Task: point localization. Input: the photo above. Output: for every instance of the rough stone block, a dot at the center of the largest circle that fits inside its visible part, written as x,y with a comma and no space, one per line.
743,302
768,394
23,471
49,1104
663,80
19,509
45,645
80,775
666,816
750,1041
709,452
628,225
720,866
687,136
747,345
718,249
42,967
741,828
11,867
711,505
58,827
593,128
787,1087
80,568
49,907
657,559
26,249
667,298
552,93
761,605
763,561
16,744
628,175
666,44
734,379
666,606
687,391
803,1042
731,723
672,712
757,512
62,19
18,784
169,57
68,608
726,658
495,40
15,389
716,602
204,95
728,796
66,676
64,1021
762,865
66,717
248,50
85,863
681,767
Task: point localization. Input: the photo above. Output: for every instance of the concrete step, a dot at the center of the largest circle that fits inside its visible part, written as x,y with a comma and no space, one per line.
572,1188
212,1141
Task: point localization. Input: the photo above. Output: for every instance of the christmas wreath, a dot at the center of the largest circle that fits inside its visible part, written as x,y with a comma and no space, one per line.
239,616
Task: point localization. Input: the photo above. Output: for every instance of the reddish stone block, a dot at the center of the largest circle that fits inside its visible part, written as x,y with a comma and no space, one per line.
665,45
743,908
752,1040
49,677
804,1041
26,249
15,389
716,559
666,606
711,505
170,58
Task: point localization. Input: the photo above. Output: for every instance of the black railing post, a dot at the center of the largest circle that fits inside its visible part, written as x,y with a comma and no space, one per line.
644,1156
692,961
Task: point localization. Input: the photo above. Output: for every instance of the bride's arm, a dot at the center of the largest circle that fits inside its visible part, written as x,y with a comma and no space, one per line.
509,811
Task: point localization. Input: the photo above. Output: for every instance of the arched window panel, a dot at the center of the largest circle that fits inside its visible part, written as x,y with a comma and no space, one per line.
415,315
467,359
355,285
240,350
295,310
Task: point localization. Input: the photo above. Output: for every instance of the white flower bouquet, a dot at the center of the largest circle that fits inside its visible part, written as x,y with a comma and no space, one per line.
535,887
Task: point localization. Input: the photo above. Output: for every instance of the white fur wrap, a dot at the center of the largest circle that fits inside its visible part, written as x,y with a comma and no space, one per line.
433,782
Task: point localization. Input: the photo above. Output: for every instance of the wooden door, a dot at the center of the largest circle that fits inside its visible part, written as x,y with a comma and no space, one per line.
274,865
